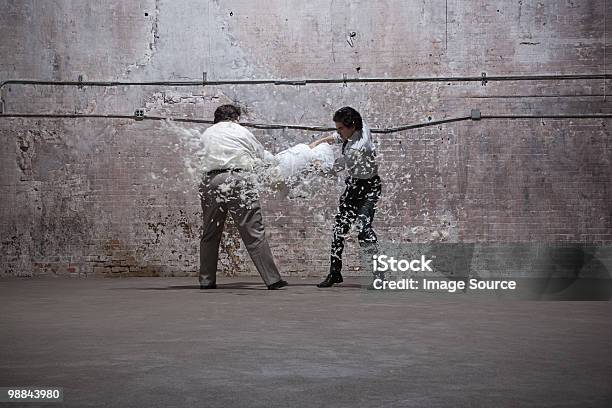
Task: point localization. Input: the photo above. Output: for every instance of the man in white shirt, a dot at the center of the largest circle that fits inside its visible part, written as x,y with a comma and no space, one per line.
231,155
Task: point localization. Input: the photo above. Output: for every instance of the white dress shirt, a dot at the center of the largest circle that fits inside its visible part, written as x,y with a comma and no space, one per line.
228,145
359,157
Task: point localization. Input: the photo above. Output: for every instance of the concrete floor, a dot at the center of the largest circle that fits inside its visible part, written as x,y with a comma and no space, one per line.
161,342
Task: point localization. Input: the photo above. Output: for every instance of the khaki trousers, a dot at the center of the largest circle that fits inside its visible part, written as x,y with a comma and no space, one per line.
231,192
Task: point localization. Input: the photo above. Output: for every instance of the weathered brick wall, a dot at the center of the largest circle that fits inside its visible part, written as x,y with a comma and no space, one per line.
113,197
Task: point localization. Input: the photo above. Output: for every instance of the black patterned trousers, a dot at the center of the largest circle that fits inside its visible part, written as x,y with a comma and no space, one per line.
357,205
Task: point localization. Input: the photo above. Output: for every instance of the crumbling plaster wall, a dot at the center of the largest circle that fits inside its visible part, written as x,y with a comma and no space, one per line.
113,197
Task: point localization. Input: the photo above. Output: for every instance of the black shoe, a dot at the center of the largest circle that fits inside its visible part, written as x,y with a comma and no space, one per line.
209,286
277,285
330,280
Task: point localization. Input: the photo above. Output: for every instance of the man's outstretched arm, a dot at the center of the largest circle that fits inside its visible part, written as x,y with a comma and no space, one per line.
331,139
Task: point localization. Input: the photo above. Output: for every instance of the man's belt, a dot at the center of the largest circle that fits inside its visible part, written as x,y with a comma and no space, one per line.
219,171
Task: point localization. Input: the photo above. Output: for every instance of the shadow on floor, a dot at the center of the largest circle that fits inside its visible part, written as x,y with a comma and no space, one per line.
238,285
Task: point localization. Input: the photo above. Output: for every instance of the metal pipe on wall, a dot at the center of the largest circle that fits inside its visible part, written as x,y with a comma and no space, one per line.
475,115
482,78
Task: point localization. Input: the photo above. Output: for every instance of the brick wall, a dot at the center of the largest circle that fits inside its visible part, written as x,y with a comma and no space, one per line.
113,197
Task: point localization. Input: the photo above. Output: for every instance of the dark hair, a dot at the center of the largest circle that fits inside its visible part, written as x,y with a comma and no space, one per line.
349,117
227,112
